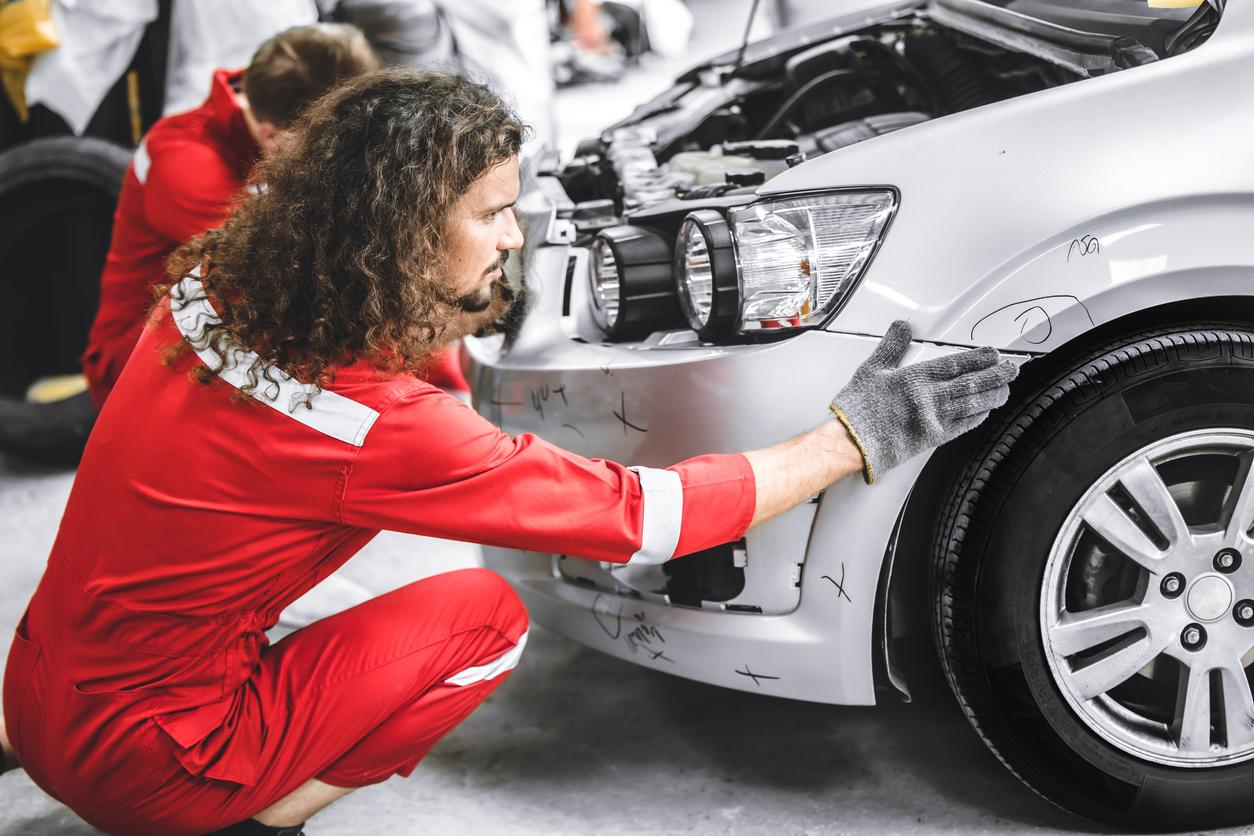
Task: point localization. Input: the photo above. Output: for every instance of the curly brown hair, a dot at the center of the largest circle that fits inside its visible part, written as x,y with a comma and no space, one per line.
338,256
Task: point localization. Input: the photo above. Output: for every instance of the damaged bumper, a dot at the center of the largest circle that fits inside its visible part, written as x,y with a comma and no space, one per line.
788,611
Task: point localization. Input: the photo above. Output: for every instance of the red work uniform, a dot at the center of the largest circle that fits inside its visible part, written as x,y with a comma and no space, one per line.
186,173
182,180
141,689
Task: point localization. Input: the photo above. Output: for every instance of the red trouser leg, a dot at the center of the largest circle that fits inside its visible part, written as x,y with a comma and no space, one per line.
360,696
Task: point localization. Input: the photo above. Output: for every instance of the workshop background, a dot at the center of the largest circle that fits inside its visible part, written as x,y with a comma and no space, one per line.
577,742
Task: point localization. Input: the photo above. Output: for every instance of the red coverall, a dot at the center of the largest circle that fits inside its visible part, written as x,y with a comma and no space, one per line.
186,172
140,688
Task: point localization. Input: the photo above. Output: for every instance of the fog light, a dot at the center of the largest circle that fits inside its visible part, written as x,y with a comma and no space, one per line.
633,285
705,270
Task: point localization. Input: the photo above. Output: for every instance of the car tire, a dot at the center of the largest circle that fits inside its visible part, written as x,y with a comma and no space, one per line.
57,196
1007,519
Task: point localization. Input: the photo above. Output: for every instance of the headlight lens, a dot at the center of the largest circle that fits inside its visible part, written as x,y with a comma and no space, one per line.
801,257
605,285
705,270
697,287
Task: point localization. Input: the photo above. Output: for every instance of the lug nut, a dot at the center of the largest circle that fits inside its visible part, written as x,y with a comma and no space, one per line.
1243,612
1172,585
1227,560
1193,637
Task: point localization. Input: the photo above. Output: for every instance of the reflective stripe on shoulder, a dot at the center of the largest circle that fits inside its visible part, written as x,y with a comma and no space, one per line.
663,501
482,673
327,412
141,162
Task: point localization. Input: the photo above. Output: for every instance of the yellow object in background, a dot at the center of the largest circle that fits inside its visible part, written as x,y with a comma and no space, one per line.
1174,4
26,29
57,388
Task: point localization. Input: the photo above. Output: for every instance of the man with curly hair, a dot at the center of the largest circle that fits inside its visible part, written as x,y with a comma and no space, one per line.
271,421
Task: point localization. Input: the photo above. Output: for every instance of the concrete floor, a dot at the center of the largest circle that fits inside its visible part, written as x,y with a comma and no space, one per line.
580,743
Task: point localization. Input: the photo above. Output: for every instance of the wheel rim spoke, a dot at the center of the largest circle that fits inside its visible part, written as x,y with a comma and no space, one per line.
1147,488
1239,513
1075,632
1155,668
1115,668
1116,528
1193,710
1238,707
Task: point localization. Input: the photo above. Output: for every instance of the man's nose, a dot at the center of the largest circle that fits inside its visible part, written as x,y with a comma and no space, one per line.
512,237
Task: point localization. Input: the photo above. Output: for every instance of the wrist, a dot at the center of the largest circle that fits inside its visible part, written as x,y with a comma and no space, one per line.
842,447
855,450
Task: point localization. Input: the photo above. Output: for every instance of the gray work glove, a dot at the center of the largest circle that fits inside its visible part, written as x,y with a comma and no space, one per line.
895,413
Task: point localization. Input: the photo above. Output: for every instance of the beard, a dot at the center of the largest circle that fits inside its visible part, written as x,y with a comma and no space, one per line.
477,313
480,300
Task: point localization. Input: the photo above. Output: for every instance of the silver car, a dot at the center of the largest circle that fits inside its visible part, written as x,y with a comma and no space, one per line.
1071,182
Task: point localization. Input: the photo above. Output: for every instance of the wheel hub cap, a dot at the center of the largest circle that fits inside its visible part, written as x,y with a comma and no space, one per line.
1210,598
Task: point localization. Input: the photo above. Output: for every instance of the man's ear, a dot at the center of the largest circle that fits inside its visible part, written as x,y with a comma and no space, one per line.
270,136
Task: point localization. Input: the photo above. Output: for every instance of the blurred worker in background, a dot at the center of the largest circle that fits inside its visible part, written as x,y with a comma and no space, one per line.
190,168
185,176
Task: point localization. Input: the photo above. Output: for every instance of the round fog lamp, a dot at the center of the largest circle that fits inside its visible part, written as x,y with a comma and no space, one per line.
633,288
605,285
705,270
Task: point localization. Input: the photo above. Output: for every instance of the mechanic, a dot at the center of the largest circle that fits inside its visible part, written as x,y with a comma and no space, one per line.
270,423
190,168
185,175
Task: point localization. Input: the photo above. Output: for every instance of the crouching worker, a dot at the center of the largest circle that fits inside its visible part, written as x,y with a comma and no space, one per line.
270,423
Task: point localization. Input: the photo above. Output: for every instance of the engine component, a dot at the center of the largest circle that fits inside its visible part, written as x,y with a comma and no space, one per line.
957,79
708,168
643,180
850,133
740,177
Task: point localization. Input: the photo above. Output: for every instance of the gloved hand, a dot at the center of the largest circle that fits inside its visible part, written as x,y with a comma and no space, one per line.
894,413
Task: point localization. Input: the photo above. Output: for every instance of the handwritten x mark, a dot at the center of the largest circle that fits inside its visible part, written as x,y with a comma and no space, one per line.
840,587
755,676
623,415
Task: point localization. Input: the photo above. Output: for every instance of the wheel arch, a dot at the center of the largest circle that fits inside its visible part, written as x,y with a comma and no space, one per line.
903,651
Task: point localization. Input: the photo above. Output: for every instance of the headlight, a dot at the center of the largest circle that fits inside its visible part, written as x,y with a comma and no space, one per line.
705,270
800,257
633,288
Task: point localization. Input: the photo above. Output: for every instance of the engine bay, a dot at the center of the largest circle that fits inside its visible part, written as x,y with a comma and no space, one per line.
737,121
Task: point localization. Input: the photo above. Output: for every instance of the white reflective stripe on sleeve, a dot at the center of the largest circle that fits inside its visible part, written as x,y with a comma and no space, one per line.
327,412
482,673
141,161
663,513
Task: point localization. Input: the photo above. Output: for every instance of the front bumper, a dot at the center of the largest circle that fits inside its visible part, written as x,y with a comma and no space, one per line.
802,627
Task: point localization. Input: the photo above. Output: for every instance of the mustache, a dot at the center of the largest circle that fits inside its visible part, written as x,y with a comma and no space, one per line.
499,264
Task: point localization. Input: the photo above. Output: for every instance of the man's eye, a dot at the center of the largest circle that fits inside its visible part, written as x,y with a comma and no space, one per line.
492,216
